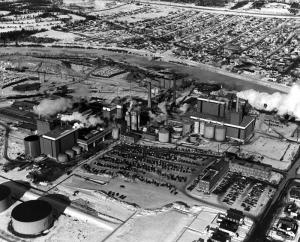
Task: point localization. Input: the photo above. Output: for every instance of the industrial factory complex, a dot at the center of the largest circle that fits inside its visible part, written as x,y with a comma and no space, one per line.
149,121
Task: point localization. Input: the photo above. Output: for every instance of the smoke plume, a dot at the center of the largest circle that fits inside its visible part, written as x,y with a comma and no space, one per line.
82,121
184,108
48,107
163,107
158,118
281,103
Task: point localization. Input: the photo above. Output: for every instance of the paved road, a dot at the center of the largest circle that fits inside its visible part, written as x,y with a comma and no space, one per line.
220,10
264,223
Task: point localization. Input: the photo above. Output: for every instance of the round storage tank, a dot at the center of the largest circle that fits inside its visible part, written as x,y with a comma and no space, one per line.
202,128
220,133
209,131
5,198
193,138
115,133
176,135
32,145
196,127
178,128
127,119
164,136
77,149
32,217
62,158
70,153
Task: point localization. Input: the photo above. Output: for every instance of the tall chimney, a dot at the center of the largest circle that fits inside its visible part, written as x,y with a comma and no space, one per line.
237,104
149,94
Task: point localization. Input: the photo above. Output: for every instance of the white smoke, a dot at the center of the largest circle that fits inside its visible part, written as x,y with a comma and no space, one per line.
158,118
48,107
131,105
83,121
184,108
82,92
163,107
281,103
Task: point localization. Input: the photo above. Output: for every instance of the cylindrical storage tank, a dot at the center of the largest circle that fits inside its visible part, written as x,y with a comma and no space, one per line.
62,158
178,128
164,136
119,111
77,149
70,153
32,145
186,128
175,137
209,131
134,121
5,198
32,217
193,138
115,133
220,133
196,127
202,128
128,119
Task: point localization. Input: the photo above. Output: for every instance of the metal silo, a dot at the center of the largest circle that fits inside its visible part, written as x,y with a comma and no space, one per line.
220,133
164,136
196,127
32,145
209,131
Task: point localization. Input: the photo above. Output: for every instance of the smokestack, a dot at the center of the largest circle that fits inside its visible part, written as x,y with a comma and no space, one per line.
149,94
237,104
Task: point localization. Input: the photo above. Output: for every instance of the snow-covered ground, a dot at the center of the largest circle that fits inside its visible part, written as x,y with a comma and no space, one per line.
58,35
275,152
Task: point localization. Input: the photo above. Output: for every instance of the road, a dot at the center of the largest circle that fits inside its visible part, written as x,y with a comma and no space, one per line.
264,223
220,10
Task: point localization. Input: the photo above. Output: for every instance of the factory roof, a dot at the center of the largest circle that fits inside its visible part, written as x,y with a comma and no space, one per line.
93,136
259,166
58,133
211,100
31,211
246,121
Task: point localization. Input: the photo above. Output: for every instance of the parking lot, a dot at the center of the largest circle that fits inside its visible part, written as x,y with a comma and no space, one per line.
243,193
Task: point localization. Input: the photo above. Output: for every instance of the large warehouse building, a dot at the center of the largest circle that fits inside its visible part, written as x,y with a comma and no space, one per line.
58,141
212,116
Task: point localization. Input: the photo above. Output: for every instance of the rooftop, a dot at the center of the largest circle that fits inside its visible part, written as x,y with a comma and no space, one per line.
246,120
58,133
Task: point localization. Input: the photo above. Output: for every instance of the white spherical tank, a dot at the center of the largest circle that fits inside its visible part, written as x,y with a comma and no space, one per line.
62,158
32,217
77,149
202,128
70,153
115,133
220,133
196,127
5,198
164,136
209,131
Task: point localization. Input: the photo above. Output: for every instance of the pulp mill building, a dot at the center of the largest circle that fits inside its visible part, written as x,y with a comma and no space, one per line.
58,141
214,118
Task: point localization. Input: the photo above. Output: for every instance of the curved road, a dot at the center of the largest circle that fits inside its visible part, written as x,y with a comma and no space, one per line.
220,10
